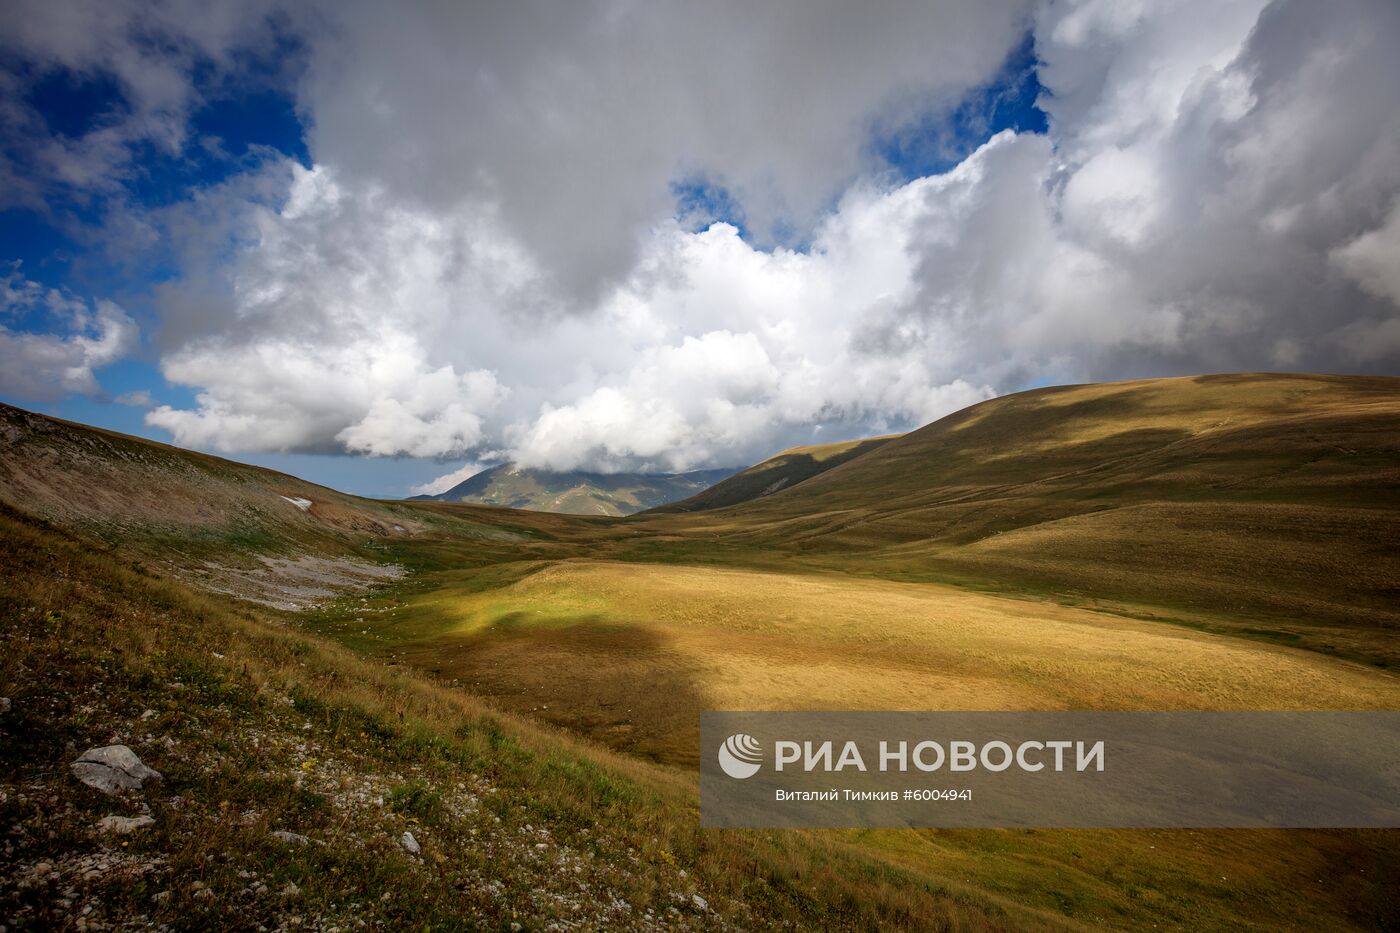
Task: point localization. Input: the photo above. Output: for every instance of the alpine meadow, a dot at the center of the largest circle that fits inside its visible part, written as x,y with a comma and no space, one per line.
422,425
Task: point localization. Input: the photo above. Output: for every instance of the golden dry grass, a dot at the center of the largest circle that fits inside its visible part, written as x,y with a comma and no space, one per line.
631,654
99,647
1259,504
1074,521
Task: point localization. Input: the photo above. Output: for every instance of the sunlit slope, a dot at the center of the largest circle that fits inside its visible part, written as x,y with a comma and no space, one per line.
1269,497
779,472
261,729
1280,438
630,654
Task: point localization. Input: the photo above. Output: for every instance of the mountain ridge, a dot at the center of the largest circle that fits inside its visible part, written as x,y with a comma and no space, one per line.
577,492
781,471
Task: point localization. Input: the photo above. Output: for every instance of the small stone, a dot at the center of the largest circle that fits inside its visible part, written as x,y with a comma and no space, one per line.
409,843
296,839
700,902
121,825
112,769
291,890
4,704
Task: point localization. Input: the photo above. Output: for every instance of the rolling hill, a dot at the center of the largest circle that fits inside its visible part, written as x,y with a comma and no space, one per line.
578,493
781,471
520,690
1269,499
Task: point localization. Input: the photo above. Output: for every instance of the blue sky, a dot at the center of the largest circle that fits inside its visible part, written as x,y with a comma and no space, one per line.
252,115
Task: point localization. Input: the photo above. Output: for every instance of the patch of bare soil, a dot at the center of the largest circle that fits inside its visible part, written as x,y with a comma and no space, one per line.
292,583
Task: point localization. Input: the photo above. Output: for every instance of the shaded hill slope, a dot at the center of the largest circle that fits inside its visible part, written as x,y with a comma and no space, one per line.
782,471
578,493
126,487
244,530
230,527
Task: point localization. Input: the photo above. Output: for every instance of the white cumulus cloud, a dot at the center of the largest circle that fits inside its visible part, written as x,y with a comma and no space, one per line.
79,339
446,481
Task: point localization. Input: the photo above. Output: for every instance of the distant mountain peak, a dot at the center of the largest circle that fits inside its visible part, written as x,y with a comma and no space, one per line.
578,492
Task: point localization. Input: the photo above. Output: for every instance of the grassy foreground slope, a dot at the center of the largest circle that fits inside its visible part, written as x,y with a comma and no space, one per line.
1257,503
781,471
262,730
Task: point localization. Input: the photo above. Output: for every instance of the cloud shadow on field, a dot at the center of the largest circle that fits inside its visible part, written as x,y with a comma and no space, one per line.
619,684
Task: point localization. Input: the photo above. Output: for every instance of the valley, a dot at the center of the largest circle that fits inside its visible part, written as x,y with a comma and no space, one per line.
1219,542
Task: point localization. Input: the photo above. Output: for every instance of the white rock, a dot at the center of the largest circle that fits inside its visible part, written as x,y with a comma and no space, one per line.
4,704
700,902
123,824
296,839
409,843
113,768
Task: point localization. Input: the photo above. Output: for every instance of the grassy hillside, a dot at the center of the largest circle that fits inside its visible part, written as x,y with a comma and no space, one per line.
631,655
259,729
782,471
244,530
1260,504
627,655
578,493
547,670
